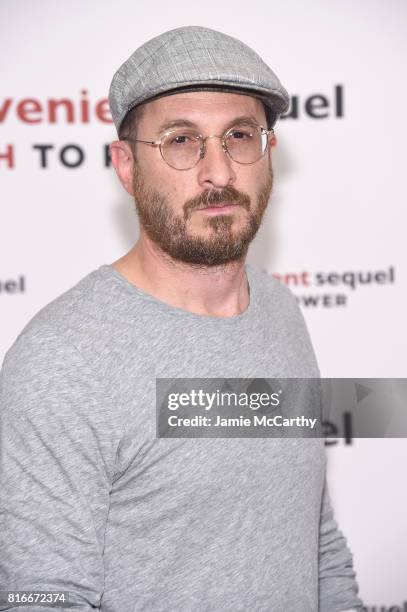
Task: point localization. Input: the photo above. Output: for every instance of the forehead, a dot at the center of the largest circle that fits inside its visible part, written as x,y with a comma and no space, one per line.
203,107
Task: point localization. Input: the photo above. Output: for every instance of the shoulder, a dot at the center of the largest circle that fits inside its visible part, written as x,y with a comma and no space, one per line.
278,310
46,372
63,311
273,291
49,335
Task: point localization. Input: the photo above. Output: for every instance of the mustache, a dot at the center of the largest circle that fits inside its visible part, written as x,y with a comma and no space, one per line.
212,197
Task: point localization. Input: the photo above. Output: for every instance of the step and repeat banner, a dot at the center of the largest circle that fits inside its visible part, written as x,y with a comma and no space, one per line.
334,232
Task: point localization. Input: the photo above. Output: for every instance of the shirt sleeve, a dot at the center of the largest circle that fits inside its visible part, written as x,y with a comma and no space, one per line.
57,454
338,588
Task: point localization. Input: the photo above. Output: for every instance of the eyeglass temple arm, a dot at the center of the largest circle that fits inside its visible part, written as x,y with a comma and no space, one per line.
150,142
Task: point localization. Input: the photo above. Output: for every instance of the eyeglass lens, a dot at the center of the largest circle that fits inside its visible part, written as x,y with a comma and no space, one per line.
245,144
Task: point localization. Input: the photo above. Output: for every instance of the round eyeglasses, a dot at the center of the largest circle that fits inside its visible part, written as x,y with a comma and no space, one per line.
183,148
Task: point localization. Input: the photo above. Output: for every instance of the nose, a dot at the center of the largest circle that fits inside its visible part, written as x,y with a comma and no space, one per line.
215,169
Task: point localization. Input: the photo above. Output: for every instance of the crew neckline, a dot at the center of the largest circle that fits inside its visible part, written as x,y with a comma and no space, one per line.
109,271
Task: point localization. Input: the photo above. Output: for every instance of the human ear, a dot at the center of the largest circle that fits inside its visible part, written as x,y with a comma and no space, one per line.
272,140
272,143
123,163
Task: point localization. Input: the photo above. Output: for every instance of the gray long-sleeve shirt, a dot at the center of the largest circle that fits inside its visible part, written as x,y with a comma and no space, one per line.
93,503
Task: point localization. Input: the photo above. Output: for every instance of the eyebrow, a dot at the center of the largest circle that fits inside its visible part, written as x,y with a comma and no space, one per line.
166,125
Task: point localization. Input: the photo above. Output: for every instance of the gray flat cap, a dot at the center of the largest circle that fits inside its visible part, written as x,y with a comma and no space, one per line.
193,58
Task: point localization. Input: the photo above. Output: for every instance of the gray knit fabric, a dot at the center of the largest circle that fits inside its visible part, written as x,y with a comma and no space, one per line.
94,504
188,57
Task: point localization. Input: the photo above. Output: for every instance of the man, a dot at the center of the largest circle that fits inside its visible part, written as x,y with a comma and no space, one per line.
92,501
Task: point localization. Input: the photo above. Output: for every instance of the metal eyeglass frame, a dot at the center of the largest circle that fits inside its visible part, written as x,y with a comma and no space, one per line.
158,143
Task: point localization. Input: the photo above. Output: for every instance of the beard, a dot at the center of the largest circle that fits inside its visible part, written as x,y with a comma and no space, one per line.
170,232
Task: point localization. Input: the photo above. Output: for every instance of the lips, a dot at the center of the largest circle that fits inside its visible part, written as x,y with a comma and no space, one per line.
220,205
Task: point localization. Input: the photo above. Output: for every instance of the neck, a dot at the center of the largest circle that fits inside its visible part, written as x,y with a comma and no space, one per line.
220,291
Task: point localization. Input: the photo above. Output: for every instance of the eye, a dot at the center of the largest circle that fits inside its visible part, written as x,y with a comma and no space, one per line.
181,140
241,134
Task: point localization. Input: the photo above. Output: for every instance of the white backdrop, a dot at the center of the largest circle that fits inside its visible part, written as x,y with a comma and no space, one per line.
337,209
